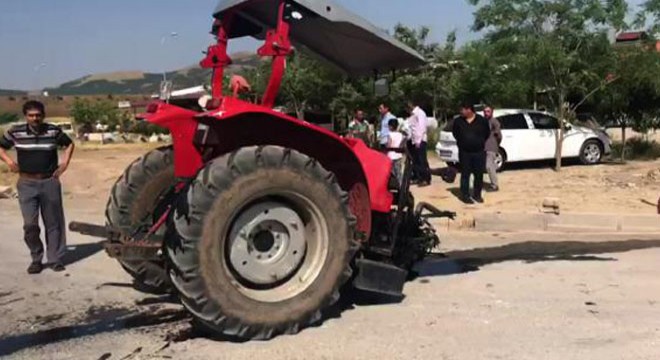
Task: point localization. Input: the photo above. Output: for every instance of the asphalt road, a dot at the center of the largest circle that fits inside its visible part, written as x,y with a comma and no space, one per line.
513,296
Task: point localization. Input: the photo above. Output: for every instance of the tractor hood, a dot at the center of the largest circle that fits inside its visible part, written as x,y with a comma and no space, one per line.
327,29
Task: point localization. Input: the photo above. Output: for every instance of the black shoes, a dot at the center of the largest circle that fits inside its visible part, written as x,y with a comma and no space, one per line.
423,184
470,201
467,200
35,268
57,267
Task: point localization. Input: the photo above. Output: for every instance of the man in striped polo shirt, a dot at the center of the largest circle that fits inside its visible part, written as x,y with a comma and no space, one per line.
39,188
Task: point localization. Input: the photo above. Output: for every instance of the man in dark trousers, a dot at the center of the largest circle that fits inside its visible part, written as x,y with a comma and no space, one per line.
39,188
417,145
471,132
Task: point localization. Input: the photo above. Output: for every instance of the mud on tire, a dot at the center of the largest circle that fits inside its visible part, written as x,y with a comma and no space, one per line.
215,222
132,198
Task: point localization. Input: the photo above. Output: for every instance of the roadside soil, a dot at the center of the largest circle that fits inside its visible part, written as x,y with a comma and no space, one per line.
632,188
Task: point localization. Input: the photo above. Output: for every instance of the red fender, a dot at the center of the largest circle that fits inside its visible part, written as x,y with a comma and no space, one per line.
239,123
182,125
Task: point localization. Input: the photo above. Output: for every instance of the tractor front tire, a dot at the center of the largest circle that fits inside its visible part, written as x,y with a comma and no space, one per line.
133,197
265,240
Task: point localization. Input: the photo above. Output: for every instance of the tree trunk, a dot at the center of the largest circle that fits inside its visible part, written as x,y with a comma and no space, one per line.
559,138
558,146
623,143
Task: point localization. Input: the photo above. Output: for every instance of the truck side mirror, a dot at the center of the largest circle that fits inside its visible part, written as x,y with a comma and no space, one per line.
381,87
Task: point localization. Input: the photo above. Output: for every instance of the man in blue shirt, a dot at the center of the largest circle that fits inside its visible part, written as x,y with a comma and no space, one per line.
385,117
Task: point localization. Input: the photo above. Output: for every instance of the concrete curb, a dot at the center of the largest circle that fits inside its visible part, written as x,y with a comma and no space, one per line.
565,222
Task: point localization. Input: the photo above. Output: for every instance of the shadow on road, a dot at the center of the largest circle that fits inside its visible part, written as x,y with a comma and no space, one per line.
76,253
15,343
463,261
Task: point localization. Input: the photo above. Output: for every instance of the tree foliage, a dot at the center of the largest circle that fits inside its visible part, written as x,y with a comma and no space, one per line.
88,112
552,54
564,45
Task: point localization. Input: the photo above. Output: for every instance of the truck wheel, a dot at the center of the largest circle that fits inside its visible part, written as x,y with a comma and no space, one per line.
591,152
132,198
264,242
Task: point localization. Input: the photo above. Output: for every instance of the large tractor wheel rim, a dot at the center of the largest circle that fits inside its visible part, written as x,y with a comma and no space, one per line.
276,249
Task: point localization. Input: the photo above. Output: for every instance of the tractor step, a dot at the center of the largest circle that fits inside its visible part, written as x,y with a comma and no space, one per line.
380,277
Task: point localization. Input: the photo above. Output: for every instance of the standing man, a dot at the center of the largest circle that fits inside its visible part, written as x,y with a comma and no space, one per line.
492,147
418,129
359,128
39,188
471,132
385,117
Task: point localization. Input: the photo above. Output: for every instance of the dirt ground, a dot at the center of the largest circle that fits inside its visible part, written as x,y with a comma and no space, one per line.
490,296
608,188
632,188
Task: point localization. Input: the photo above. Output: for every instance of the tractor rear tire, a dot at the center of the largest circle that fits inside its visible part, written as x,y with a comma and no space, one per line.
132,198
225,274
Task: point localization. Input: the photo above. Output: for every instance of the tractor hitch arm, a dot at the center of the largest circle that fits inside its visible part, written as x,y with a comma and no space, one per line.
142,246
433,212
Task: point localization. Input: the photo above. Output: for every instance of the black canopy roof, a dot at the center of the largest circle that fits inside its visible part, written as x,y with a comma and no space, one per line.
327,29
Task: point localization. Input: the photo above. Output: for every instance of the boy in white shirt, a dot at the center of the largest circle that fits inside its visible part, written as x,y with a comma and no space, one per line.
395,141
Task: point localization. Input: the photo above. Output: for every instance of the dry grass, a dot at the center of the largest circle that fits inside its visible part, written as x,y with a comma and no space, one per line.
115,76
95,146
8,178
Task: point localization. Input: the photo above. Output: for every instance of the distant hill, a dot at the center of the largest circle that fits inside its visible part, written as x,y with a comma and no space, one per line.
137,82
8,92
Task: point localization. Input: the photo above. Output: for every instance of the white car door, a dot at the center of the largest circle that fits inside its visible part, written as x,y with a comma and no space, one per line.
516,136
544,135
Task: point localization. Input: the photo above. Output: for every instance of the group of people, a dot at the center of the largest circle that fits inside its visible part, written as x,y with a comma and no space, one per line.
478,138
394,136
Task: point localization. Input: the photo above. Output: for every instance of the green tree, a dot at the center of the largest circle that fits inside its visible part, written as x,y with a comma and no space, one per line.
650,14
347,99
633,100
6,118
565,44
85,111
434,84
307,83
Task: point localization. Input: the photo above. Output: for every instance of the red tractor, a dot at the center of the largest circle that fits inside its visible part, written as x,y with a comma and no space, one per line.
256,219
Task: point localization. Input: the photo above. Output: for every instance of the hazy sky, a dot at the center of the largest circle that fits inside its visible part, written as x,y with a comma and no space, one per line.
79,37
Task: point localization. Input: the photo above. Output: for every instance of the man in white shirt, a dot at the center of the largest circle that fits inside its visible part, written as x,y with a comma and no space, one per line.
418,144
385,117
